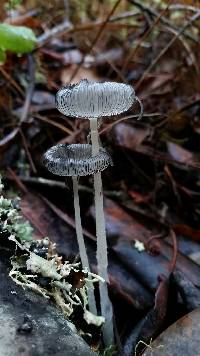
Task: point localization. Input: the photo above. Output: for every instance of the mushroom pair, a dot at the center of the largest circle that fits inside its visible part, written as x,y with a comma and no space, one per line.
90,100
75,161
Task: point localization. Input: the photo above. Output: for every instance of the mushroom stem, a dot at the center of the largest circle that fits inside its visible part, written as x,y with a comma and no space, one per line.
81,244
94,136
102,253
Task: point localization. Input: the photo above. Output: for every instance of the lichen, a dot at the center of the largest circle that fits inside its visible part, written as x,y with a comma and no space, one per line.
11,221
37,266
49,276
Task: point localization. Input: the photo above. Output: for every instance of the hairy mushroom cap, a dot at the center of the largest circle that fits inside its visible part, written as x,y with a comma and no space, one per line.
88,99
75,160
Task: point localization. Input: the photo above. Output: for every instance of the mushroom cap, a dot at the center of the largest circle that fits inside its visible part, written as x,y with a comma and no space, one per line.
88,99
75,160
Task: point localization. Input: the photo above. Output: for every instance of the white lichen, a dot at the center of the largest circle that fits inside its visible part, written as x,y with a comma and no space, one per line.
93,319
139,246
28,268
40,265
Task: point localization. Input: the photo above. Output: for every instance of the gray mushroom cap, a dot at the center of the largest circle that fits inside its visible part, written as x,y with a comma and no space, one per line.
75,160
88,99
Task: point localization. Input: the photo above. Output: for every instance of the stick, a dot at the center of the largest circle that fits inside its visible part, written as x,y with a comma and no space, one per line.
102,253
81,243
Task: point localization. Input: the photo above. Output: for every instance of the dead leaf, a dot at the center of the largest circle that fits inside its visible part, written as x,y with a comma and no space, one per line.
187,231
34,210
188,292
48,220
152,323
82,74
128,136
123,229
181,338
180,154
140,198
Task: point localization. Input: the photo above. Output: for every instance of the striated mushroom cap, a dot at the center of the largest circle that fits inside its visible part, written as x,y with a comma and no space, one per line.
75,160
88,99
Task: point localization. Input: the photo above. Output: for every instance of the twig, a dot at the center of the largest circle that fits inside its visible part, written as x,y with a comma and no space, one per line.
165,49
98,35
55,31
58,184
124,15
183,7
67,26
30,90
175,252
175,247
42,181
133,51
12,81
27,151
188,106
110,126
21,19
153,13
112,65
187,48
54,123
65,217
26,107
17,180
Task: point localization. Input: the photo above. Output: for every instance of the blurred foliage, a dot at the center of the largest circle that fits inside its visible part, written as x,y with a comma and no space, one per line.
17,39
12,4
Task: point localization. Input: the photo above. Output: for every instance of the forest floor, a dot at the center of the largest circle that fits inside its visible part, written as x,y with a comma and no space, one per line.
151,194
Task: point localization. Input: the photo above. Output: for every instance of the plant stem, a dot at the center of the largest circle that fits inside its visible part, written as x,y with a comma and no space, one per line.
81,244
102,253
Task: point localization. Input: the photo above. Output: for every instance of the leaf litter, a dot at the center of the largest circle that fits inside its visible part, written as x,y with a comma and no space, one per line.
153,188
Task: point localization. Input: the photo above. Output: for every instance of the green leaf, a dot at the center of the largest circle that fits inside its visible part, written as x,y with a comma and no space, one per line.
17,39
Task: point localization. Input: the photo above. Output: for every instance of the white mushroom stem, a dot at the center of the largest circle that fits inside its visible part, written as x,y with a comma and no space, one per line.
102,253
81,244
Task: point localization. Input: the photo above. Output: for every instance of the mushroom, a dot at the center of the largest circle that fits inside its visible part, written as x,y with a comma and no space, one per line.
93,100
76,160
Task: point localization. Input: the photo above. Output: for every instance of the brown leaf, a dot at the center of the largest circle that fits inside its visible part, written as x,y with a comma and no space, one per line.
188,292
187,231
180,154
82,74
48,220
181,338
139,198
122,231
153,322
35,211
128,136
127,287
